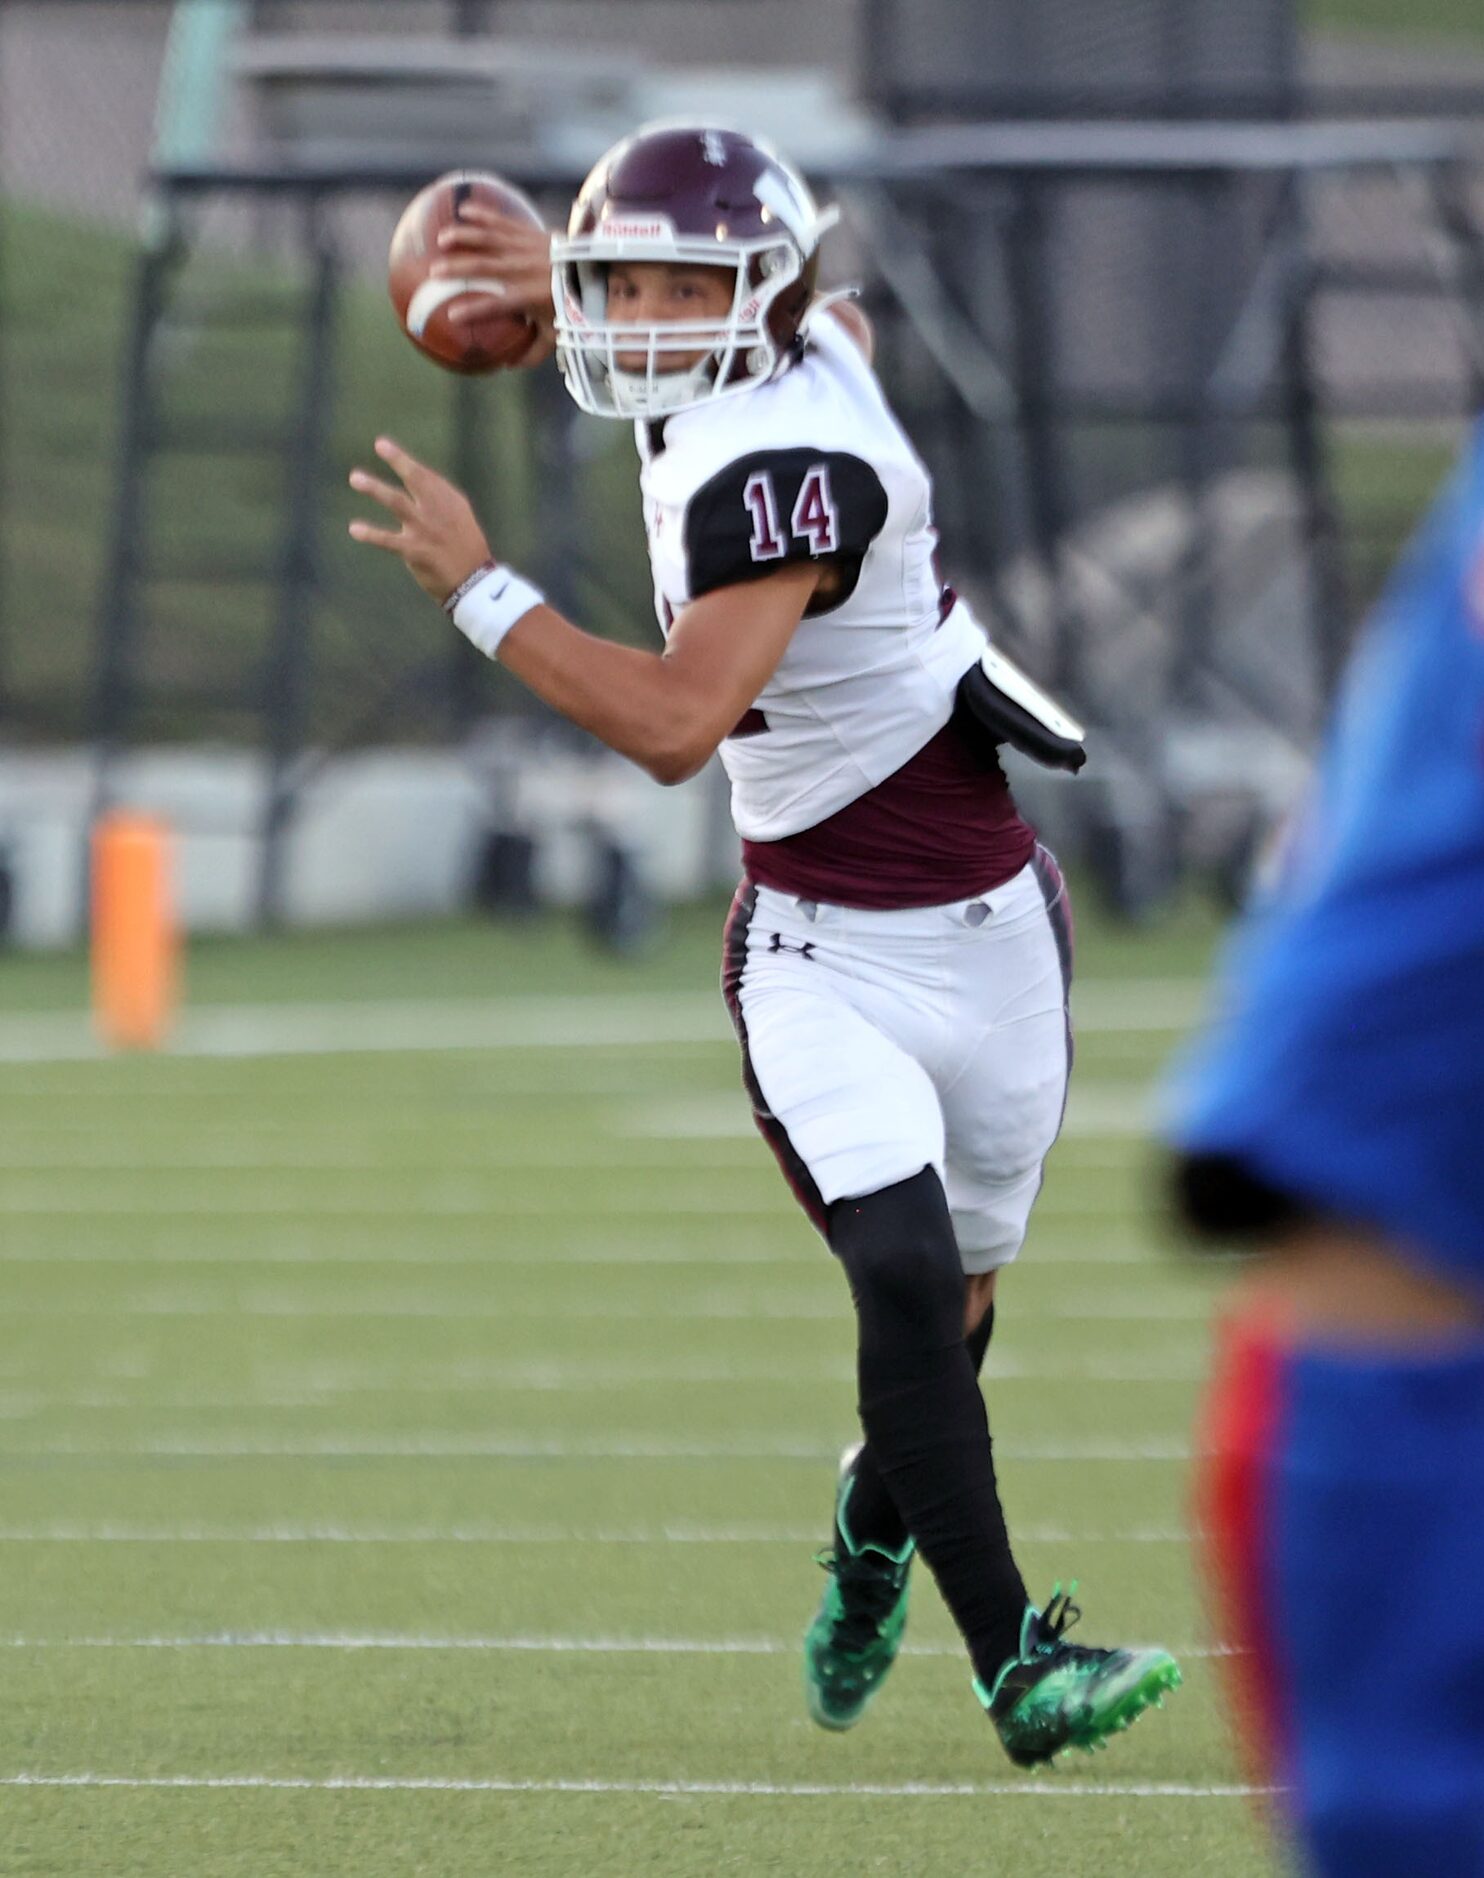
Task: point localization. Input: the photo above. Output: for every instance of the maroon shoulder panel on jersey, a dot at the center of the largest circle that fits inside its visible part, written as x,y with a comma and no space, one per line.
775,508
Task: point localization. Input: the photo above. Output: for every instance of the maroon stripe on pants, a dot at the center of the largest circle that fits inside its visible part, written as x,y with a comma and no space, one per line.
1058,910
733,965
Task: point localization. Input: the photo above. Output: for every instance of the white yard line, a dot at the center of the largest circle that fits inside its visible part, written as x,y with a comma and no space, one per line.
1096,1110
448,1199
544,1374
453,1446
554,1379
494,1261
287,1534
633,1020
741,1155
316,1146
630,1020
1061,1788
448,1203
495,1645
760,1310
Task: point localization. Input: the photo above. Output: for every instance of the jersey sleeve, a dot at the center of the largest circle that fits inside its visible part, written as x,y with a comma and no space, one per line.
776,508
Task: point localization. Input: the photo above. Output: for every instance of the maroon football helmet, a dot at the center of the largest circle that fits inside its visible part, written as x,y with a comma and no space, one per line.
696,196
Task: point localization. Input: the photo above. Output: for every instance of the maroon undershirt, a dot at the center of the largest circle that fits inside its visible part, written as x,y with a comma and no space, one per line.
941,828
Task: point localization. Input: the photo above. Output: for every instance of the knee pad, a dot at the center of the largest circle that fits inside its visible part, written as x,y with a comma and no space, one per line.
902,1260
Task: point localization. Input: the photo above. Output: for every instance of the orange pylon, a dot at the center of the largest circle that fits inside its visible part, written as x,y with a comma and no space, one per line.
135,944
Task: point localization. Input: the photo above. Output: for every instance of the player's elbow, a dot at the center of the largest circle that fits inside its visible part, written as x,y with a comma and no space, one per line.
681,735
676,760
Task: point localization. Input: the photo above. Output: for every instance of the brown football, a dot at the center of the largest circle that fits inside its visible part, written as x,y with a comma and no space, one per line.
422,301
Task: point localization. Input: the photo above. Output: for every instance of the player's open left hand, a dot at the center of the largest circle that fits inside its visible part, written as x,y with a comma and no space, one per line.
439,539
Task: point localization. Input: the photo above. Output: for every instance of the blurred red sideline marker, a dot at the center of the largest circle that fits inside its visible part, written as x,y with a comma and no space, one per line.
135,941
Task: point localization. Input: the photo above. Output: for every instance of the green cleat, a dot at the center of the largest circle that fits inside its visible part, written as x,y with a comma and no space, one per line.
857,1632
1057,1695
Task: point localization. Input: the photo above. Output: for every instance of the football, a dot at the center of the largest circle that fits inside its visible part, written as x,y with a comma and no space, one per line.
422,301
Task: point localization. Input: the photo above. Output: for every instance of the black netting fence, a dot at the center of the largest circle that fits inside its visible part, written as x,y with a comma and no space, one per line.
1087,58
1183,399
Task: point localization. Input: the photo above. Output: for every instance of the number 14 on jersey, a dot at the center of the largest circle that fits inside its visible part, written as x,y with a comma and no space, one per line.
815,519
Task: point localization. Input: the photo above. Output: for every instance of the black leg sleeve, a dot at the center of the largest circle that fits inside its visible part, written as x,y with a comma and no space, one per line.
872,1513
977,1341
920,1406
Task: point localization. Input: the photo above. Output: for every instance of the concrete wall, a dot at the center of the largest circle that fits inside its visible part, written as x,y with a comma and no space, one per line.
386,834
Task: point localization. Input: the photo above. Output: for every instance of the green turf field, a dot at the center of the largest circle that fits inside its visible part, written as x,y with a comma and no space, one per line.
414,1456
1429,22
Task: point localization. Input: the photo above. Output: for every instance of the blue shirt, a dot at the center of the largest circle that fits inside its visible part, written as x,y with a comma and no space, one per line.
1346,1062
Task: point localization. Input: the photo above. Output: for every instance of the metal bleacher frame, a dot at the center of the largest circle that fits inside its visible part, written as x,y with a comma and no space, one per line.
996,388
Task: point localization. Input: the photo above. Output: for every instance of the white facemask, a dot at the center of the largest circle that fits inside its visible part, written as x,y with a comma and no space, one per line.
738,352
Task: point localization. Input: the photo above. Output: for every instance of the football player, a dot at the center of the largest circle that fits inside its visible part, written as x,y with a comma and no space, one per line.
1334,1118
897,957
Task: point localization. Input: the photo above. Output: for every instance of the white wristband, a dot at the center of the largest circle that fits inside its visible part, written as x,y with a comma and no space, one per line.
486,608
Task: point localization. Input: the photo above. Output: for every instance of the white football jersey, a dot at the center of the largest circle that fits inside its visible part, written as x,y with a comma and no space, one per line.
813,465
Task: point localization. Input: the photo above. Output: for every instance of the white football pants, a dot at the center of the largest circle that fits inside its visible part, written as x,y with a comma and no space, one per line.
878,1043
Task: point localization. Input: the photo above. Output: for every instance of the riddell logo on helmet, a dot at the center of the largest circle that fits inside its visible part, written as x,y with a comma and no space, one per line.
629,228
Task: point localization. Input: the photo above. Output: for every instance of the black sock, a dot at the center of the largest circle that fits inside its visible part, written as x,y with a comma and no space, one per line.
920,1407
871,1513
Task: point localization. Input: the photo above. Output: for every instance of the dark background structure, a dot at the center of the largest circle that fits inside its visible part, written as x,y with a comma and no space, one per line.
1185,324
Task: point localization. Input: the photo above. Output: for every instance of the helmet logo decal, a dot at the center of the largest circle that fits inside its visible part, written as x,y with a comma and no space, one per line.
713,150
786,197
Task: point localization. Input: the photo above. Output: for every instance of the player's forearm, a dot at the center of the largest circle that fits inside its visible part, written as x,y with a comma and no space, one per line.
666,712
634,701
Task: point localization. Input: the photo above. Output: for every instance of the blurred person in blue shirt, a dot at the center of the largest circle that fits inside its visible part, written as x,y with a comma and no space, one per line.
1332,1118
